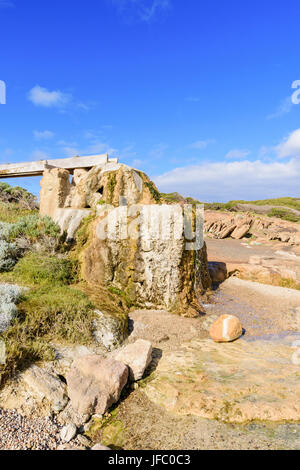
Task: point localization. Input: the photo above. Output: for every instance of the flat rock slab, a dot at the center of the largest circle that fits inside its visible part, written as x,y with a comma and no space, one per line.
233,382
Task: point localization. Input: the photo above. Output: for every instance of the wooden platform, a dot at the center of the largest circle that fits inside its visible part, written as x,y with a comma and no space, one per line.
15,170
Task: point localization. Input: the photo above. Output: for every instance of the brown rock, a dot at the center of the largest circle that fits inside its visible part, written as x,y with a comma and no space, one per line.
241,231
55,188
43,384
217,271
227,328
137,356
95,384
227,231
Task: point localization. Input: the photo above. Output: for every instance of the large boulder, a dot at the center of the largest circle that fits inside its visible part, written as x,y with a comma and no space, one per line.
95,384
217,271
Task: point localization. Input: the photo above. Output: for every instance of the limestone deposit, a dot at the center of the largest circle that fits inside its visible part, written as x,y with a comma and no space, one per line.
131,242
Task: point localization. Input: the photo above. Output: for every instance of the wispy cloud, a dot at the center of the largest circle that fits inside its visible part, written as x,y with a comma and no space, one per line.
93,148
43,135
201,144
58,99
158,151
39,155
40,96
284,108
142,10
265,177
237,154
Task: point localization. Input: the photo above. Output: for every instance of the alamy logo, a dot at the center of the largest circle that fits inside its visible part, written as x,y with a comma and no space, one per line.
2,92
296,94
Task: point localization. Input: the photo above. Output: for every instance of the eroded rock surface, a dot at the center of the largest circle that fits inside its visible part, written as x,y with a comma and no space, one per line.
227,224
46,385
236,382
154,270
95,384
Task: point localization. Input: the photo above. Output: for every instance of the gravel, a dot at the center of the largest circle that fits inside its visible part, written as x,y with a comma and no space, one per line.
21,433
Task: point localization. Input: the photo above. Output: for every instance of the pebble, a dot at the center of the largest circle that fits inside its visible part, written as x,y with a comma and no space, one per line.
68,432
18,432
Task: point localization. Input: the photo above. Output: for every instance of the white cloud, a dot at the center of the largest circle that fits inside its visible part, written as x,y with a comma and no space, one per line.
290,147
94,148
43,135
233,180
237,154
40,96
284,108
143,10
201,144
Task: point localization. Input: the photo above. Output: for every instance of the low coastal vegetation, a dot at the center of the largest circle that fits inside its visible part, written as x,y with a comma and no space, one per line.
50,303
285,208
45,306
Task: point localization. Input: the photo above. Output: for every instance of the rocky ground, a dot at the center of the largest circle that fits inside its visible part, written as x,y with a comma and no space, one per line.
185,359
22,433
197,394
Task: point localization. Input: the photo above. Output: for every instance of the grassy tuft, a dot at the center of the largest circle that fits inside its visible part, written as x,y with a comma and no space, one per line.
59,314
40,270
284,214
154,192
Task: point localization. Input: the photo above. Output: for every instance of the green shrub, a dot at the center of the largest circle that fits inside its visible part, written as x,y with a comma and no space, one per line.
154,192
11,212
9,295
284,214
39,270
60,314
17,195
35,228
8,255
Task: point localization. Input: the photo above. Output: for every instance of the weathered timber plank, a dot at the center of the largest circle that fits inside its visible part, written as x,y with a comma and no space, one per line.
13,170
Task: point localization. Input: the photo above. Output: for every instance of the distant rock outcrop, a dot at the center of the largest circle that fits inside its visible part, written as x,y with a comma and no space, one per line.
236,225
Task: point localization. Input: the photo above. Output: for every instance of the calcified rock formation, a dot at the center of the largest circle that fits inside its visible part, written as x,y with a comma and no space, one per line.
131,241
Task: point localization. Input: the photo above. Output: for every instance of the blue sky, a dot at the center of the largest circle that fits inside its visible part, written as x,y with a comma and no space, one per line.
195,93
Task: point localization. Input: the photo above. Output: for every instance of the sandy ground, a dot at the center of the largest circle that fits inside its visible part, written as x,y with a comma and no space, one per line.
239,251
